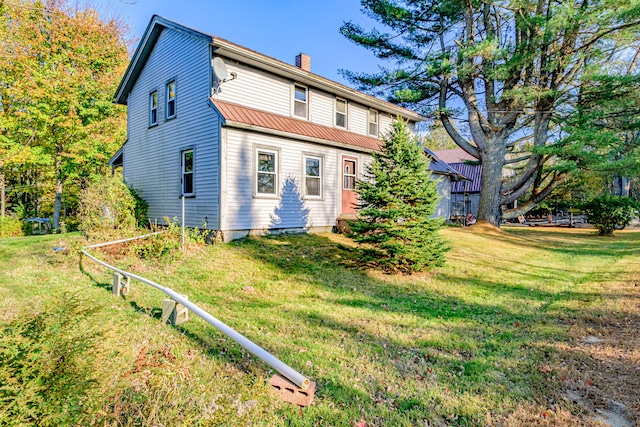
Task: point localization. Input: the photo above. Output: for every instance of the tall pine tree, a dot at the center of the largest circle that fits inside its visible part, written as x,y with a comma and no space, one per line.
397,201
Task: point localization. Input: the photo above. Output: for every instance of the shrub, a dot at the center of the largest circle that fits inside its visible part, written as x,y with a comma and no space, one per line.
397,204
608,213
108,209
46,377
10,227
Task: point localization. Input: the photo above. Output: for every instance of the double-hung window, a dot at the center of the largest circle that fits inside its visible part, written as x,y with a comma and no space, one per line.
300,101
188,170
170,96
373,123
313,176
266,172
153,108
341,113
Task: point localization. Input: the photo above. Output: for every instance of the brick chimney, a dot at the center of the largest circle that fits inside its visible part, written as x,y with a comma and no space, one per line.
303,62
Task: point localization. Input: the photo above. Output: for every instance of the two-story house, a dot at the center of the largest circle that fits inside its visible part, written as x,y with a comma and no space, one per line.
252,143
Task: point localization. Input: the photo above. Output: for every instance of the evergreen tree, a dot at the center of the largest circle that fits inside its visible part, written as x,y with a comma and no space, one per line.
503,77
397,201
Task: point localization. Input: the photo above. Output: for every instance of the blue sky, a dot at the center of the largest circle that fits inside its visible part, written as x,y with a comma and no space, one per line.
280,29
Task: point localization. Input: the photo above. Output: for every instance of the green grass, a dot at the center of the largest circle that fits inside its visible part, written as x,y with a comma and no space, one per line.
463,345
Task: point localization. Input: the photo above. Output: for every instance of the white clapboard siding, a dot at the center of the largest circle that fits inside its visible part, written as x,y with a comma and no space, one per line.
246,212
152,158
384,123
257,89
358,118
322,109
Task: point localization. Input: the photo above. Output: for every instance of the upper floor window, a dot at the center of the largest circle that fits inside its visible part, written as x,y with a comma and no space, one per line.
300,101
373,123
171,99
313,176
187,173
266,172
341,113
153,108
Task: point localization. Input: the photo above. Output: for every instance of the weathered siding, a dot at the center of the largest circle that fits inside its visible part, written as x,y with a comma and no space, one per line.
243,211
152,159
444,191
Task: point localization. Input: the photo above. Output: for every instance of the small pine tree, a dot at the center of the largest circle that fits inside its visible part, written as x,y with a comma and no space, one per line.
397,201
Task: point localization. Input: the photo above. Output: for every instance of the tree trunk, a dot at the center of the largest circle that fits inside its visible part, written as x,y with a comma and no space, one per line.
490,193
620,186
58,202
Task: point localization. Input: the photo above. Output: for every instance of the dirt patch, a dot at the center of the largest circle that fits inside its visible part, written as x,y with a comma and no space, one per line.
600,368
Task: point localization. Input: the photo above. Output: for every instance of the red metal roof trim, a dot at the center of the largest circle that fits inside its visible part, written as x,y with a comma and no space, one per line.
251,116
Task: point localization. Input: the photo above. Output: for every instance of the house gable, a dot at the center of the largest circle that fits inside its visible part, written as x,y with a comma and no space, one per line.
144,49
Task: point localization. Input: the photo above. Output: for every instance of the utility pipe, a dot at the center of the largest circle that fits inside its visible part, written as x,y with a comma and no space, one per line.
284,369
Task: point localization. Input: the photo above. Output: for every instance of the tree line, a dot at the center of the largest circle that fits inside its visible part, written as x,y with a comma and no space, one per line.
60,64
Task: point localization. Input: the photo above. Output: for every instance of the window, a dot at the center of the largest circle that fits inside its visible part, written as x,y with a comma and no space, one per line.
267,172
341,113
187,173
153,108
349,174
373,122
171,99
300,104
313,176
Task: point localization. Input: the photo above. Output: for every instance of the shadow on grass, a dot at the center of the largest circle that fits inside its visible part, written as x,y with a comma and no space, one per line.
573,243
500,332
90,276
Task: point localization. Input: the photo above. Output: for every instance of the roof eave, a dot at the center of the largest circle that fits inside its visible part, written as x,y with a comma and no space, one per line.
296,136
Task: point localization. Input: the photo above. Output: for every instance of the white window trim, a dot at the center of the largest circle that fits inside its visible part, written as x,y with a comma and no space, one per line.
183,173
155,91
336,112
175,101
294,100
320,177
256,151
377,123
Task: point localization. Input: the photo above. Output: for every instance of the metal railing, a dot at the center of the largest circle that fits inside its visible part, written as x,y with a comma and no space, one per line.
284,369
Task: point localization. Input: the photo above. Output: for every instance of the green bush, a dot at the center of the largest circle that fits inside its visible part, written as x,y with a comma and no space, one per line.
108,209
10,227
608,213
46,377
140,208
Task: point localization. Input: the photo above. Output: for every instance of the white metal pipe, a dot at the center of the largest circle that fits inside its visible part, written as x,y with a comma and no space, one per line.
99,245
286,370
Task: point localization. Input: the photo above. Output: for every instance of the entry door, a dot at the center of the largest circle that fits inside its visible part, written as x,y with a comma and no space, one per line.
349,176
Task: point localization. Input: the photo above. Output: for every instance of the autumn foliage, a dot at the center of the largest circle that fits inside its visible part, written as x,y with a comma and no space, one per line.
59,67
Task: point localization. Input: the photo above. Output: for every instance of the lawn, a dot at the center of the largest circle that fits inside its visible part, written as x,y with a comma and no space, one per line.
520,327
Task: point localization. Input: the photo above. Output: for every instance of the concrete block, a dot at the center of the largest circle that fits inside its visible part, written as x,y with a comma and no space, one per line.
121,284
173,312
289,392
